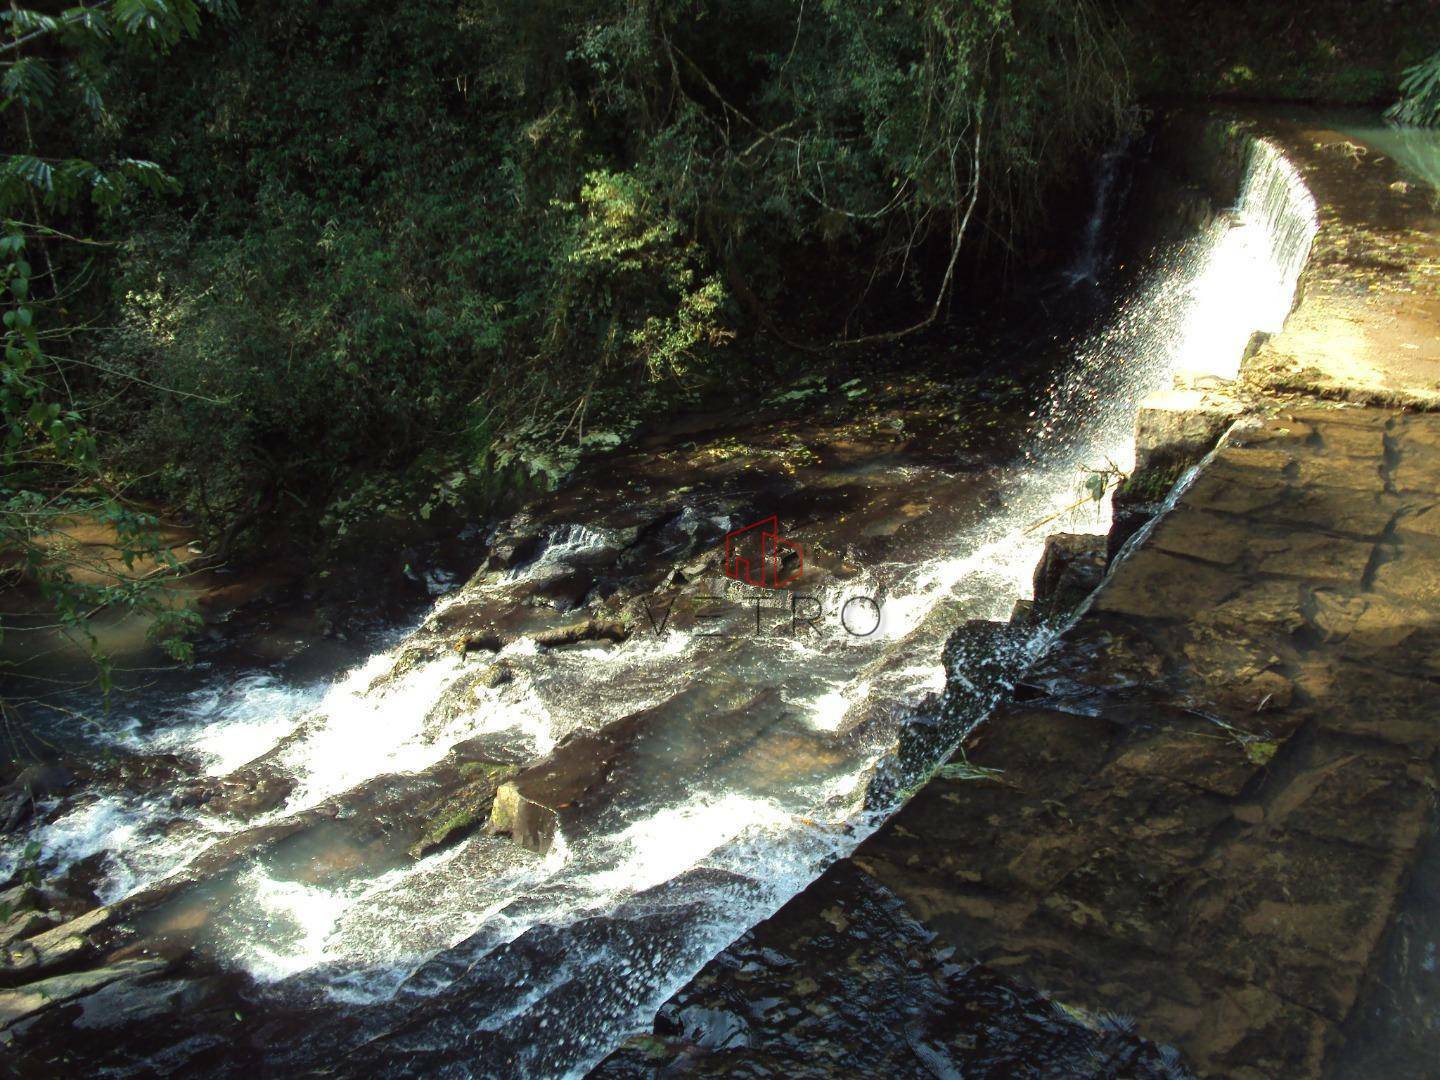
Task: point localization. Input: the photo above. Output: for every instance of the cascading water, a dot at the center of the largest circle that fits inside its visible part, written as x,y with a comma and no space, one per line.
1093,257
1253,268
540,964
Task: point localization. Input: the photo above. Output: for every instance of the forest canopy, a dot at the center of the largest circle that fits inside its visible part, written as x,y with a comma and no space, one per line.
388,235
316,262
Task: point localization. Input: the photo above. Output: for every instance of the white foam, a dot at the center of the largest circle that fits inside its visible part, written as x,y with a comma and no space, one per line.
657,848
124,830
230,725
299,920
362,730
560,547
1247,283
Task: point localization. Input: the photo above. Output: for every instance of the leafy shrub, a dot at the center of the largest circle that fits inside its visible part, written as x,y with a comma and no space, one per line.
417,242
629,281
1419,102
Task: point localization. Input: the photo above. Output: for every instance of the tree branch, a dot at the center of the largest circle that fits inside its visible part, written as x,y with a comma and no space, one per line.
69,19
962,225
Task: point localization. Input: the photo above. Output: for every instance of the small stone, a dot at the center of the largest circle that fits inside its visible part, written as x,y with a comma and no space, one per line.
251,792
1250,813
495,675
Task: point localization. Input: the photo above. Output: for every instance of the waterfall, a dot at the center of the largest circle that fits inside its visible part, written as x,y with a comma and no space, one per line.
540,965
1096,242
1252,273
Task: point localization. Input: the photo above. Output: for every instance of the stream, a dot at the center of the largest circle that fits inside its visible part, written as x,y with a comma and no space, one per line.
725,739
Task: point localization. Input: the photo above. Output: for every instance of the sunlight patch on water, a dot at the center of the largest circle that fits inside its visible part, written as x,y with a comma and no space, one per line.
662,845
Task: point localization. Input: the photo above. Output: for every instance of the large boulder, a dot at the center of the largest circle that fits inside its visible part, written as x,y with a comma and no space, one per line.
36,782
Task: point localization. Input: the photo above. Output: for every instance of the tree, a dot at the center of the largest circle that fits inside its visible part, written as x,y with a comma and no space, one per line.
52,64
886,134
459,231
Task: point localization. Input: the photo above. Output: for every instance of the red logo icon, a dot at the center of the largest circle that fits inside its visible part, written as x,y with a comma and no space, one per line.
755,555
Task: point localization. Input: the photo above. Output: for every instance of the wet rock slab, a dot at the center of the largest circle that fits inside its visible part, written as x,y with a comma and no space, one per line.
844,981
1214,837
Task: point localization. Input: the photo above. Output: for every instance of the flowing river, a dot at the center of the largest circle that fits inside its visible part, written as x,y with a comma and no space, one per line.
737,731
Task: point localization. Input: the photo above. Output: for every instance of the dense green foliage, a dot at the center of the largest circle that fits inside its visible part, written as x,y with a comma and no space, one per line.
1324,51
1419,95
399,256
417,240
51,471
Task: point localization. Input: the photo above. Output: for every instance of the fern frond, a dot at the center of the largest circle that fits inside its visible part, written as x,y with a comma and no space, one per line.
1419,102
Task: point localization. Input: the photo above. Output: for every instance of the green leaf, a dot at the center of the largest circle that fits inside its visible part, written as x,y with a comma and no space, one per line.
28,80
148,175
92,20
27,21
84,81
1260,751
30,170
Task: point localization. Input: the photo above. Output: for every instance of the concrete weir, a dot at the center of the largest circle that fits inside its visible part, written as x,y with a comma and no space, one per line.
1195,820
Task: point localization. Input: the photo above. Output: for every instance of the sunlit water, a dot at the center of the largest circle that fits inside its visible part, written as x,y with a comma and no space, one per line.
1248,282
721,824
1415,149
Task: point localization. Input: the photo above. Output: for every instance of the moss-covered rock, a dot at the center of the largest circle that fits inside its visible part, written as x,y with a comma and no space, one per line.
460,813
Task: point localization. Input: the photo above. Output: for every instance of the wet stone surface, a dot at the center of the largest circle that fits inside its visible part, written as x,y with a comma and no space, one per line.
845,981
1364,327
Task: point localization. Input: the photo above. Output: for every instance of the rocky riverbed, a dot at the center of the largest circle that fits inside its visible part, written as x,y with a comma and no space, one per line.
583,608
1178,842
